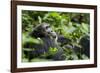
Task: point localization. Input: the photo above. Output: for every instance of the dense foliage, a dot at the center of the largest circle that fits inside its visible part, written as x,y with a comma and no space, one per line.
73,26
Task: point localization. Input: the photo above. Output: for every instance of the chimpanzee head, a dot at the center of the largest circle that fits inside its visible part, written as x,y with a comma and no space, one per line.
43,30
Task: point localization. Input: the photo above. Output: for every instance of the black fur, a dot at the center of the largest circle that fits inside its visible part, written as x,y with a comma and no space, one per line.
85,43
48,37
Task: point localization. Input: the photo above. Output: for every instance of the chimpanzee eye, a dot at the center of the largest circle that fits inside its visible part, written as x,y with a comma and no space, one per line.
47,27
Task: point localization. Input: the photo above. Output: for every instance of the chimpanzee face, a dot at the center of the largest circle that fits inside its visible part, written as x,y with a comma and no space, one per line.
47,30
43,30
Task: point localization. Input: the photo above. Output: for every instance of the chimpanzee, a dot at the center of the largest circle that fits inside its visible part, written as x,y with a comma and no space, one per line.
49,40
85,43
83,48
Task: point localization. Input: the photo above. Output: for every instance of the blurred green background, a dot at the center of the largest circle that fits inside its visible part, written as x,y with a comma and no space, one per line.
73,26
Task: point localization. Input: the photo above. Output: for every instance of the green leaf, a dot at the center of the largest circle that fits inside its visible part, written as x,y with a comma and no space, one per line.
40,19
31,40
85,27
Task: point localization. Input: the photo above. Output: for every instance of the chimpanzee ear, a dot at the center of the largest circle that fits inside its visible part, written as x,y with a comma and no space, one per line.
34,33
